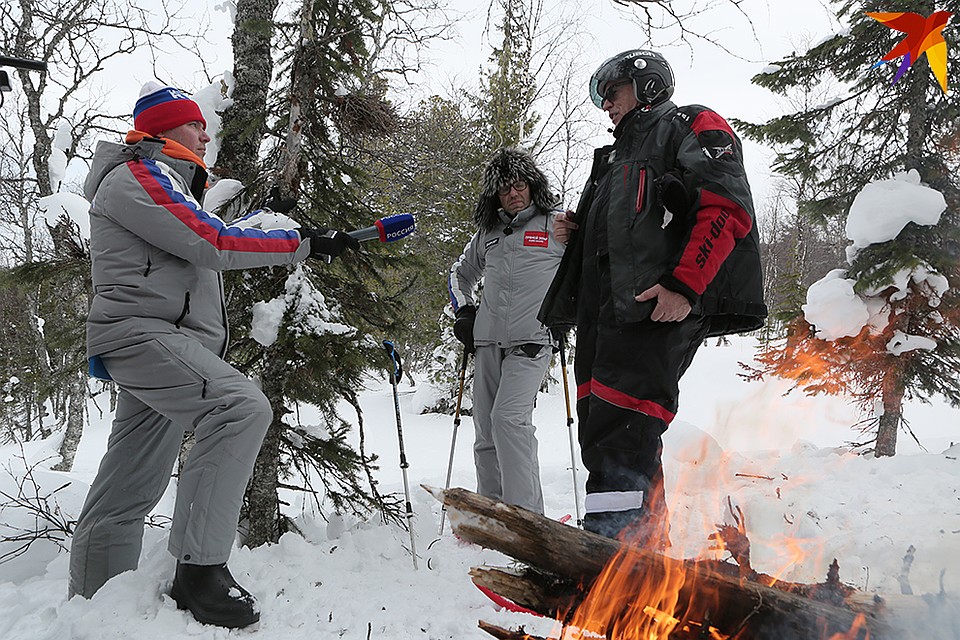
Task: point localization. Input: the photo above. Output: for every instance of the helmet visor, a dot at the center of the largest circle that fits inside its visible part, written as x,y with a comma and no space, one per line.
602,77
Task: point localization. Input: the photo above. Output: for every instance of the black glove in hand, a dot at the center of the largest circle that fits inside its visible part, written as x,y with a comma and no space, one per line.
327,244
463,327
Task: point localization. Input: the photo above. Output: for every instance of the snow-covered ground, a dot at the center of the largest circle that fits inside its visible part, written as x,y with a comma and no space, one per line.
776,457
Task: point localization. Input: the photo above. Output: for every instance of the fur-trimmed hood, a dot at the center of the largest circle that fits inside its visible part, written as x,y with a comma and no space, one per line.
506,166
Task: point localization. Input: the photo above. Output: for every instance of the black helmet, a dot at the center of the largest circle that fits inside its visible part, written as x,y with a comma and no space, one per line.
652,76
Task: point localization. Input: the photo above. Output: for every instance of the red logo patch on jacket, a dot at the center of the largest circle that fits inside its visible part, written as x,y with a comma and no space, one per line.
536,239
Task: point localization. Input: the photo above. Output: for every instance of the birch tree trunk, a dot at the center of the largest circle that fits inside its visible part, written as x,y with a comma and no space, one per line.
292,165
262,501
76,410
244,126
244,123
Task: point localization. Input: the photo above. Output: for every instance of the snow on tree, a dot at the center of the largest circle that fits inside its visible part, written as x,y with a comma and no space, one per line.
859,331
882,154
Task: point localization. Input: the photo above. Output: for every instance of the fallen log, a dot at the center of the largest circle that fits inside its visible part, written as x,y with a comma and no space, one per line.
506,634
567,561
546,594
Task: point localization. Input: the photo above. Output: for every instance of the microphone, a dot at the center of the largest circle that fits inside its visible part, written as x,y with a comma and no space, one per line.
387,229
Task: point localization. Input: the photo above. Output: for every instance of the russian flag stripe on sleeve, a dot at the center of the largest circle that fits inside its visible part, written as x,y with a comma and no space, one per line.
209,227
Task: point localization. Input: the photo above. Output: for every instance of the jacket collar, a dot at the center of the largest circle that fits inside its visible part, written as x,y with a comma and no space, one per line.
109,155
171,148
521,218
640,119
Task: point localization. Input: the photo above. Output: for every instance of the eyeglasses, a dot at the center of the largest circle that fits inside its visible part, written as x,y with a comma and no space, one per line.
610,92
519,185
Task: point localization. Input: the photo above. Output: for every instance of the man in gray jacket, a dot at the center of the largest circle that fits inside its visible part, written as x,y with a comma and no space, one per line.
515,252
158,328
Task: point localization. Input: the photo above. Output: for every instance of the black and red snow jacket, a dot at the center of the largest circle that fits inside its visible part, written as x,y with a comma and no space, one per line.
706,247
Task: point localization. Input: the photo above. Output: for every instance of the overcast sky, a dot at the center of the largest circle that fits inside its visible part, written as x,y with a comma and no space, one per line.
592,30
705,73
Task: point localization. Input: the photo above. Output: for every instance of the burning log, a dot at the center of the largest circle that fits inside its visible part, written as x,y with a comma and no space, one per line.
711,596
506,634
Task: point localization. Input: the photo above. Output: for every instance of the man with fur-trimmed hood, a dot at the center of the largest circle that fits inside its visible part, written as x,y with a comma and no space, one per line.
516,253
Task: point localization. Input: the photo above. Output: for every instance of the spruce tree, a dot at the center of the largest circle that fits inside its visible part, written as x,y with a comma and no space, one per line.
335,316
509,86
503,116
428,166
874,129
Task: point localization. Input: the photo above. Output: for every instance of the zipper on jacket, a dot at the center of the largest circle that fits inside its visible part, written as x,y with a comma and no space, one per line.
643,179
223,315
184,312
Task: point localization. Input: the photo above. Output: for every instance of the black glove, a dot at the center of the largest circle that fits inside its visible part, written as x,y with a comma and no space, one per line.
327,244
674,195
277,203
463,327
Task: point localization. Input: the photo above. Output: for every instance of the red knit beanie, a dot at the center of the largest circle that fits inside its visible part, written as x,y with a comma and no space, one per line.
160,109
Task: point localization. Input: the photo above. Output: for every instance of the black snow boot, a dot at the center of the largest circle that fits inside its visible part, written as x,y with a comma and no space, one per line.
213,596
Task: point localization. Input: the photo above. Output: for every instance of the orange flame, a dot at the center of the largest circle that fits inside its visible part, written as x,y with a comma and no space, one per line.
629,601
617,607
634,599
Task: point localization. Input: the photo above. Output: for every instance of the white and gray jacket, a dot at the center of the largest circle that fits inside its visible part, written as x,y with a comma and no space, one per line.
156,254
517,261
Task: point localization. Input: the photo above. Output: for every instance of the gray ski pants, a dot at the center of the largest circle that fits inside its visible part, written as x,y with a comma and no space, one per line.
169,384
505,386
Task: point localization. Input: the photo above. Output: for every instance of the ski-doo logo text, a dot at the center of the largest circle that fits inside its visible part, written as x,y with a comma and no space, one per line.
707,245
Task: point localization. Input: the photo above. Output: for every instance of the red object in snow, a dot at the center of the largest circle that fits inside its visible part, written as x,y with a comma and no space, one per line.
504,603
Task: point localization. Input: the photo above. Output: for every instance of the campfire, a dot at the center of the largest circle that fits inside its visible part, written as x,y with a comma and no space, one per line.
629,603
602,589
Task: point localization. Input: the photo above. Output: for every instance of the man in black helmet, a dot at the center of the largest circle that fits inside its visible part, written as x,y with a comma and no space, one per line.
662,252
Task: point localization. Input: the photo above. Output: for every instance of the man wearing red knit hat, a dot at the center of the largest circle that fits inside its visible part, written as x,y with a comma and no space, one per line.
157,327
170,113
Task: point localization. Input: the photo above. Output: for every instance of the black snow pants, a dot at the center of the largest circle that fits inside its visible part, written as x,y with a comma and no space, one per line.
627,394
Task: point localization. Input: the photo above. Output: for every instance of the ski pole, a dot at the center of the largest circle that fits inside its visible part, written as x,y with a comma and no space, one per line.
573,456
453,442
396,372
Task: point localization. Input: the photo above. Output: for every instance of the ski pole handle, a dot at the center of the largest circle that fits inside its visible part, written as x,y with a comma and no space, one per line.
395,357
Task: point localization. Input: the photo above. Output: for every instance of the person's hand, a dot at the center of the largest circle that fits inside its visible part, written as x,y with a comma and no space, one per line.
563,226
463,327
327,244
671,306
